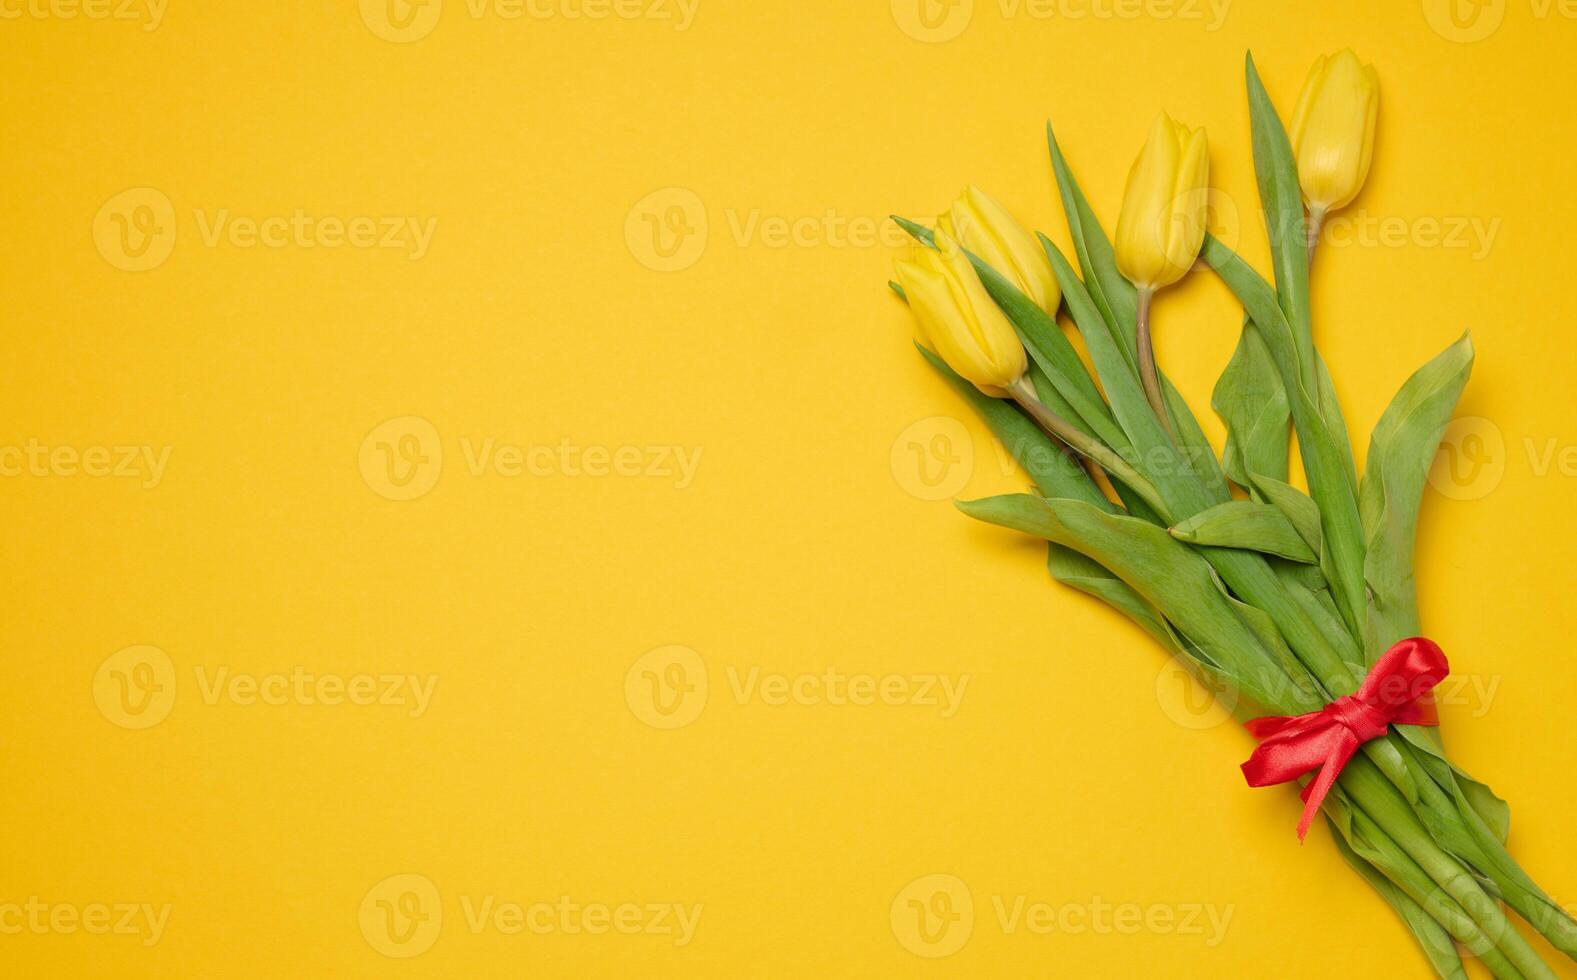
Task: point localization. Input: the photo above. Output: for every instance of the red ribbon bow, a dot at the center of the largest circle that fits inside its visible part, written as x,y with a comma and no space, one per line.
1396,692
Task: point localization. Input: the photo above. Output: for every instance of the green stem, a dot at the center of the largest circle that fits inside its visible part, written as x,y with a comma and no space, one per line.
1148,375
1405,873
1486,853
1024,394
1375,795
1316,222
1559,929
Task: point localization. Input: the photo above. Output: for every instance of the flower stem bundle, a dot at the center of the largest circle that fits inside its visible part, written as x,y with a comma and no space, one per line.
1283,597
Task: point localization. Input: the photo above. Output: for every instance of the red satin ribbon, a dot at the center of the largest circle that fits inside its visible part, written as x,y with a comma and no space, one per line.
1396,692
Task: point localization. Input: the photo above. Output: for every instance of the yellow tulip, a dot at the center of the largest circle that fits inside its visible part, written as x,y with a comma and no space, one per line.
1162,223
1333,130
984,226
959,319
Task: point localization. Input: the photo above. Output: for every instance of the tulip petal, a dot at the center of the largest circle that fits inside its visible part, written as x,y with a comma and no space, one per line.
958,318
1164,204
1333,129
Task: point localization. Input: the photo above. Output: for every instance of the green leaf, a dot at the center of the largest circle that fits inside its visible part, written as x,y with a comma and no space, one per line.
1199,457
1251,402
1335,423
1271,640
1310,591
1051,350
1186,472
1047,391
1047,347
1276,172
1245,524
1116,299
1248,574
1400,453
1042,457
1054,471
1153,453
1058,475
1169,575
1302,512
1491,809
1052,399
1088,576
1322,459
1185,494
1111,292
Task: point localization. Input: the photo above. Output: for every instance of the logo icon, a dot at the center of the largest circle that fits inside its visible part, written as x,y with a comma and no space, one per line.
666,230
1215,210
667,687
1188,702
933,916
1464,21
402,458
1471,460
135,687
401,916
401,21
135,230
933,21
933,458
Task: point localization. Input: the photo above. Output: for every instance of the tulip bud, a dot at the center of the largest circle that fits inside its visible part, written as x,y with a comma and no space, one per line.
1162,223
1332,130
983,226
959,319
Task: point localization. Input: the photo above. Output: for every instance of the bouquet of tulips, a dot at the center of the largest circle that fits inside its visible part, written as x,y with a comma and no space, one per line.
1298,608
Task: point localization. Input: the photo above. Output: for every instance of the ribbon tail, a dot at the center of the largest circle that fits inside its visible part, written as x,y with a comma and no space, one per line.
1398,690
1316,792
1299,748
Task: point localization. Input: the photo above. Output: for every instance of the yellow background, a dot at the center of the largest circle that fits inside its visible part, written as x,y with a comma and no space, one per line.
1074,769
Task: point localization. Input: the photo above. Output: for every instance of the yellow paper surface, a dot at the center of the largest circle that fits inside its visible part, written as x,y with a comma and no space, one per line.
464,472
